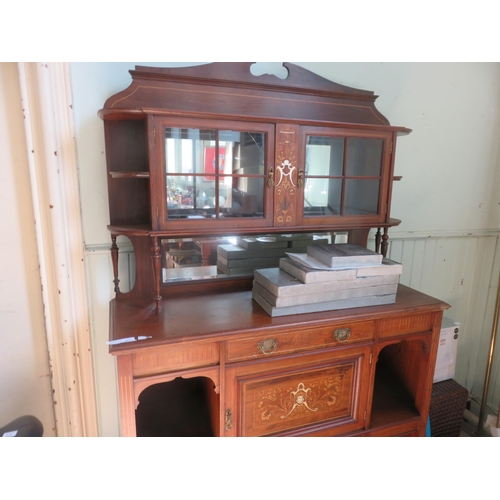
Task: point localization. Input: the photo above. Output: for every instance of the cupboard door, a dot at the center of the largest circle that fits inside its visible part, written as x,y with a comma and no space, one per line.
299,394
344,176
213,174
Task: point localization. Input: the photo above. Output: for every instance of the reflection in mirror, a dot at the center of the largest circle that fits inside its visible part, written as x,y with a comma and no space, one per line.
361,196
233,256
214,173
342,176
126,264
324,168
364,157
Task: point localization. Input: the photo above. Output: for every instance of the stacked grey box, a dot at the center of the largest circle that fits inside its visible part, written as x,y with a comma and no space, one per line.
351,276
249,254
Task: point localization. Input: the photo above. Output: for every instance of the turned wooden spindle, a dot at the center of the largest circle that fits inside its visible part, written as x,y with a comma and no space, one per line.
156,258
378,239
385,242
114,259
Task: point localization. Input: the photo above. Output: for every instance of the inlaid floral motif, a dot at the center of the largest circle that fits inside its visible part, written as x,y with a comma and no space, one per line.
294,401
285,190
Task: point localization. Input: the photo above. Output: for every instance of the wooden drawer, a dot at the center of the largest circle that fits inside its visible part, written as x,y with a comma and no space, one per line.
276,397
301,340
176,357
413,323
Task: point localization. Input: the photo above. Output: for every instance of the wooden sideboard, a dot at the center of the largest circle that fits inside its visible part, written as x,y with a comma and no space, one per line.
198,154
217,365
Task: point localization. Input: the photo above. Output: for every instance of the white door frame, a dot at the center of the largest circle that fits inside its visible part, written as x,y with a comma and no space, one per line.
50,141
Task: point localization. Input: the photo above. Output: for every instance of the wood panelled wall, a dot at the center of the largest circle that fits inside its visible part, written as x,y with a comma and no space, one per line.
461,269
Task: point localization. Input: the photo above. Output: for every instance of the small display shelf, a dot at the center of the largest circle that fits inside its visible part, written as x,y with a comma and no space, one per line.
129,175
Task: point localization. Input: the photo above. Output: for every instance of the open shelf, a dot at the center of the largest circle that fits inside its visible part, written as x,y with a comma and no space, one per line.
129,175
180,408
391,401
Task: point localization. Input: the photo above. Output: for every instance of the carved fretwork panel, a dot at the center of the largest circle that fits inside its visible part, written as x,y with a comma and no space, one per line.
273,404
286,175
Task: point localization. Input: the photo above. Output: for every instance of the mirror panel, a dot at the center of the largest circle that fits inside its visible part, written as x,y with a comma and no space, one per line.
364,157
324,156
342,176
214,173
361,196
322,196
191,259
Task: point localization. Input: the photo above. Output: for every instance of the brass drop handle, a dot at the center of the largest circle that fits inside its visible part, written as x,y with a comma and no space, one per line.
342,334
270,179
300,178
267,346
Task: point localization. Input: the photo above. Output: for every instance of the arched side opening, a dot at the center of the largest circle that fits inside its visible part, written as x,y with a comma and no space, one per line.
180,408
399,375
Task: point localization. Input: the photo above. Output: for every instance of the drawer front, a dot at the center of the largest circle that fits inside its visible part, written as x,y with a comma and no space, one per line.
177,357
286,343
323,394
414,323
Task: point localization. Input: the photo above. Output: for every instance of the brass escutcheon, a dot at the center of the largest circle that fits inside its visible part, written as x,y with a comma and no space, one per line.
229,420
342,334
267,346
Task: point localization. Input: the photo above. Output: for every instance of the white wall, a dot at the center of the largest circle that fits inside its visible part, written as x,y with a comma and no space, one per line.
449,162
449,194
24,366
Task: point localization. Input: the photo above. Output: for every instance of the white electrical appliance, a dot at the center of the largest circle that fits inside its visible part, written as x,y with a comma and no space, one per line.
447,351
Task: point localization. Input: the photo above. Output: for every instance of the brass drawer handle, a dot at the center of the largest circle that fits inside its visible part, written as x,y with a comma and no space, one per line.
342,334
267,346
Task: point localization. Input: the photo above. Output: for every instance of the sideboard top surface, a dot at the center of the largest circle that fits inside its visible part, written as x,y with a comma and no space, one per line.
230,314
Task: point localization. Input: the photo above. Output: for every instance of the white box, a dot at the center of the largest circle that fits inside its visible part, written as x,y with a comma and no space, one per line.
447,351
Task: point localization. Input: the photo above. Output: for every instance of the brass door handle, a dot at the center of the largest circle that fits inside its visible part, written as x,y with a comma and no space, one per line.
342,334
270,179
267,346
300,178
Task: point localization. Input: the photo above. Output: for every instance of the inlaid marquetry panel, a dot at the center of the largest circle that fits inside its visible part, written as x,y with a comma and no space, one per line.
415,323
285,175
271,403
172,358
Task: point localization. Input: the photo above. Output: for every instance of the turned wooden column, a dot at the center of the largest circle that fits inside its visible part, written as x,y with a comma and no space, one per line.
114,260
385,242
156,258
382,241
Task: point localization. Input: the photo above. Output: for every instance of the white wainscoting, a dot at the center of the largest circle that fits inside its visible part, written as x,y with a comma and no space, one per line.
460,268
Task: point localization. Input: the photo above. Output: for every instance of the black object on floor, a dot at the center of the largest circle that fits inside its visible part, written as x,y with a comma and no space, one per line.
25,426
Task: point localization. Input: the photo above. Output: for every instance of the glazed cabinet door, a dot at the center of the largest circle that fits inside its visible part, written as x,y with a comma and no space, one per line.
344,177
315,394
212,174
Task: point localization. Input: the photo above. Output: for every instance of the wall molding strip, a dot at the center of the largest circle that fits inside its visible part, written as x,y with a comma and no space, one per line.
414,235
